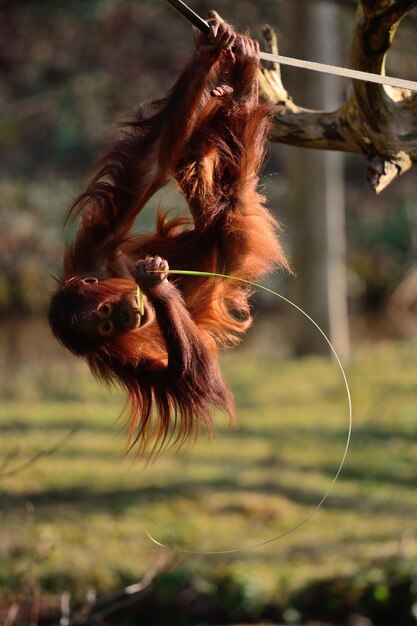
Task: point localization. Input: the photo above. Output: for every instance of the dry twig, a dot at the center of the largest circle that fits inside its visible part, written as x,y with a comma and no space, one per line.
96,610
4,473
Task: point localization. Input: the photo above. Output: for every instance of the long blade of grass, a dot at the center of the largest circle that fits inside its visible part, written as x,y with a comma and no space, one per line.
348,433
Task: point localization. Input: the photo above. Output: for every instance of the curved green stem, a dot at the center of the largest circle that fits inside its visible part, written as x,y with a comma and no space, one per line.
349,430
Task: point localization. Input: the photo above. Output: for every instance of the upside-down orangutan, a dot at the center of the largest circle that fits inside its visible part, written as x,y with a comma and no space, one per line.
209,135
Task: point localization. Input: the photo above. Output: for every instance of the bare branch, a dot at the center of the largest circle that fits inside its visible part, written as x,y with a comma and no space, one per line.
271,45
8,458
46,452
375,120
98,609
314,129
382,171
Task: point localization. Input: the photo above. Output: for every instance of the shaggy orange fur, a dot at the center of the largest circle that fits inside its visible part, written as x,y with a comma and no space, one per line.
213,145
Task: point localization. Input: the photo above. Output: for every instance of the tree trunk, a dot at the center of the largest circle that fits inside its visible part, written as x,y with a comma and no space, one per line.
317,196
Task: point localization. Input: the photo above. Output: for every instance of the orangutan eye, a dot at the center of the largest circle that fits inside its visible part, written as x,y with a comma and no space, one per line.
105,310
106,328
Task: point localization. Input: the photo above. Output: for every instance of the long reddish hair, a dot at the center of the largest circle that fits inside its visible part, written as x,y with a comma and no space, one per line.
213,147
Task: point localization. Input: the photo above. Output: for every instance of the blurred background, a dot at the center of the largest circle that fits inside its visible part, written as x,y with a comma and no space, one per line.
74,510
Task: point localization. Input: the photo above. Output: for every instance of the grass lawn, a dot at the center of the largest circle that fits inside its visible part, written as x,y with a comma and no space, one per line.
78,518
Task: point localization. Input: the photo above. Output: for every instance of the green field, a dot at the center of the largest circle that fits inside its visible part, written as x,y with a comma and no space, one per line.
78,517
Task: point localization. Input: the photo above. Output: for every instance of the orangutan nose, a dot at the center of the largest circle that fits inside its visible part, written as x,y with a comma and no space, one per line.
124,315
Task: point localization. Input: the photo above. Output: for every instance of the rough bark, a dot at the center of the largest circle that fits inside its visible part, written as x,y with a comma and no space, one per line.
375,120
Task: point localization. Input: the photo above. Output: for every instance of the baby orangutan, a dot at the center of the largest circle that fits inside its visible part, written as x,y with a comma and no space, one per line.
209,135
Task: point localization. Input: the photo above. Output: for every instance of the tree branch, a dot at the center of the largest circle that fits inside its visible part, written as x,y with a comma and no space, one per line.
375,120
314,129
24,465
97,610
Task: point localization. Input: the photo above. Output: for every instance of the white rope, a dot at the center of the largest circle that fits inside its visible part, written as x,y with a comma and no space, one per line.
204,26
340,71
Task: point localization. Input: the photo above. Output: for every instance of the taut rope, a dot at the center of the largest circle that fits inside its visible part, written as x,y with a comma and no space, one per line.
202,25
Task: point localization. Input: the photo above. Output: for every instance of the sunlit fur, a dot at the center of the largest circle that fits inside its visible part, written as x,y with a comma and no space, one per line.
213,147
